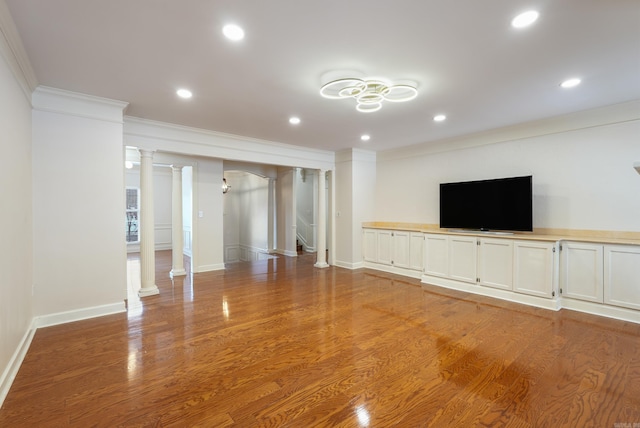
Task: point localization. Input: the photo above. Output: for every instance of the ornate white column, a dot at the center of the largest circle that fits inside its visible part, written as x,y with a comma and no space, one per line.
271,206
177,244
321,240
147,227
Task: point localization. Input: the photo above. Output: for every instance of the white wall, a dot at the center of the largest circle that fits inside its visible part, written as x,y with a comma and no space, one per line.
583,178
355,196
286,209
162,188
207,220
187,208
15,223
78,194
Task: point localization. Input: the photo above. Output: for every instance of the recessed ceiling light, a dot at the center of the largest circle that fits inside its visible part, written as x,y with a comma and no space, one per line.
184,93
439,117
233,32
570,83
294,120
525,19
365,137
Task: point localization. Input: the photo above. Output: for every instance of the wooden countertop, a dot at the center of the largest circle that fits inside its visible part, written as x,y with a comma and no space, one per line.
540,234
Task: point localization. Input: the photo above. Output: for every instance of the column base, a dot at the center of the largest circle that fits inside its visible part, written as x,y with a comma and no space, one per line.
148,291
177,272
321,265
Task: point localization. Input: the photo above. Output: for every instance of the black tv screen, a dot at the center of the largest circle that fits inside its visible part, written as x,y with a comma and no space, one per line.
500,204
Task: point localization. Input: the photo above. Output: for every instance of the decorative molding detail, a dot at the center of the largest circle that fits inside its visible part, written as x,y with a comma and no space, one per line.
608,115
72,103
12,50
79,314
10,372
168,137
232,253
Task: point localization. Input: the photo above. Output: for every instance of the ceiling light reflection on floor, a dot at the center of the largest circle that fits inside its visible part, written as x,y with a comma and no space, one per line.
363,416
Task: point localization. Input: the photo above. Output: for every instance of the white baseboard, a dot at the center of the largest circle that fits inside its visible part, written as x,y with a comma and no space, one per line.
10,372
78,314
540,302
287,253
347,265
603,310
411,273
208,268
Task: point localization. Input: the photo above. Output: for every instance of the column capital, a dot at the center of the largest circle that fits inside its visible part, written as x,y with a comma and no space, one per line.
146,153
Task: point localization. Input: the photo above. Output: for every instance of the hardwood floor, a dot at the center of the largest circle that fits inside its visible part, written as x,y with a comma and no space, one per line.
280,343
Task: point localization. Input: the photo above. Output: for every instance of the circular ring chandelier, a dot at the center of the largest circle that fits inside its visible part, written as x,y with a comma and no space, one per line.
368,93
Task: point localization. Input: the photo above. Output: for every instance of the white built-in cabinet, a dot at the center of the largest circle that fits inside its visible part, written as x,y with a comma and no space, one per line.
385,247
416,251
527,267
437,255
582,271
534,268
402,250
599,278
370,245
601,273
463,254
622,276
495,263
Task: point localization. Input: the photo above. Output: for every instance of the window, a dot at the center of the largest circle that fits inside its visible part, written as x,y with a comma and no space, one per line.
133,214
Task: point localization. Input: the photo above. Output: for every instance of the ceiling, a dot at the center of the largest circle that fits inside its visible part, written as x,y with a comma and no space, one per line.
467,60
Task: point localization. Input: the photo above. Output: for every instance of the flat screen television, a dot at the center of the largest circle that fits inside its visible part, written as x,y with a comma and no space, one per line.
503,204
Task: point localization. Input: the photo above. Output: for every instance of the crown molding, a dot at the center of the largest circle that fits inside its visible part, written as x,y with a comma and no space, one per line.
72,103
13,52
356,155
608,115
167,137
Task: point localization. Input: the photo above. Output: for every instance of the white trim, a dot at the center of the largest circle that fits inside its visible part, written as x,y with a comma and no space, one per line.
208,268
12,50
603,310
166,137
79,314
608,115
393,269
287,253
15,362
510,296
347,265
355,155
75,104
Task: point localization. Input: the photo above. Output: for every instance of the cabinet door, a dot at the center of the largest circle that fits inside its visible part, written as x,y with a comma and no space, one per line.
463,251
495,263
533,268
436,260
582,276
622,275
384,247
401,245
369,245
416,251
